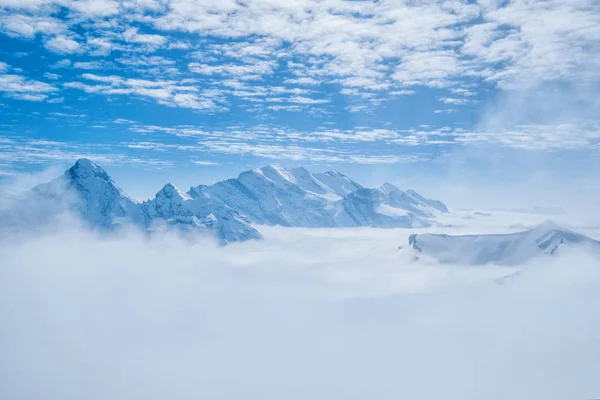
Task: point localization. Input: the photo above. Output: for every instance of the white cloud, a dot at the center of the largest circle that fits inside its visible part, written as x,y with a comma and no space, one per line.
566,135
145,5
169,93
20,150
444,111
31,5
453,100
123,121
369,44
433,69
67,115
28,26
62,44
28,96
103,65
356,108
51,76
301,153
462,92
286,108
190,100
304,314
537,49
371,50
306,100
146,61
204,162
101,46
240,71
19,87
303,81
103,78
131,35
341,146
64,63
178,46
377,48
404,92
95,8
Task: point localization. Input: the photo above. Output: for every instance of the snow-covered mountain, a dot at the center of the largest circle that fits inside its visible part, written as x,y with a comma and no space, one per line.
504,249
288,197
87,191
171,208
295,197
270,195
90,192
387,207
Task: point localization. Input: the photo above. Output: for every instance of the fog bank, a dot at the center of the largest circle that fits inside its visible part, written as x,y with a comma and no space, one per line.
342,317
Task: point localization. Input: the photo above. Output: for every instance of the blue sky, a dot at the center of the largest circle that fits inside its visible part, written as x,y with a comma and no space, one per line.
195,91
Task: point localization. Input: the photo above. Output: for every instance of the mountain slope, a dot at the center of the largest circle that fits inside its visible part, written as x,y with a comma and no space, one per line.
270,195
87,191
337,183
295,197
196,210
387,207
504,249
90,192
278,196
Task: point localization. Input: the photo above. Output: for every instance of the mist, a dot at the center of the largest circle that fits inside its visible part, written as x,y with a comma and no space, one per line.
305,313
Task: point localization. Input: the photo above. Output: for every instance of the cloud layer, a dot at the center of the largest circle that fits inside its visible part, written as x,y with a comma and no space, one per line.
317,314
332,81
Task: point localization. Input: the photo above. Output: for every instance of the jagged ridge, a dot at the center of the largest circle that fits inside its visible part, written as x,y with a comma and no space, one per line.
270,195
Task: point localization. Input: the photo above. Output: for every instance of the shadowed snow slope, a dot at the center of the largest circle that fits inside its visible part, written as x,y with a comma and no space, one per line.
194,210
269,196
506,249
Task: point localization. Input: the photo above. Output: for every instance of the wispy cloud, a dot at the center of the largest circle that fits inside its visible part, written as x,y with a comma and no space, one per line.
302,65
18,150
170,93
374,46
19,87
204,162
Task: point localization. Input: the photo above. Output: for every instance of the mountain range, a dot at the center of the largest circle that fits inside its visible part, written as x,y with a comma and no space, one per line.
232,208
516,248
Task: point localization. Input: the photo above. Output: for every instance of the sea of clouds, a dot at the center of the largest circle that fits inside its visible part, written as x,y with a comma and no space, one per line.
304,314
